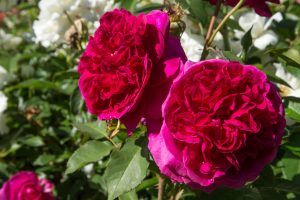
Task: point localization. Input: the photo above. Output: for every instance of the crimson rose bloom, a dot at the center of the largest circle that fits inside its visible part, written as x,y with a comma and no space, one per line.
260,6
125,61
25,185
223,122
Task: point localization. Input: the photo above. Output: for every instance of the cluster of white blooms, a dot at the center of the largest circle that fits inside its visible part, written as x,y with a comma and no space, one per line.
57,16
291,79
3,102
262,36
8,41
191,40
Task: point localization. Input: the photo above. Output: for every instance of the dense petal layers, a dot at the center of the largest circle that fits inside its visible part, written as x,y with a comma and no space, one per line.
25,185
127,55
222,123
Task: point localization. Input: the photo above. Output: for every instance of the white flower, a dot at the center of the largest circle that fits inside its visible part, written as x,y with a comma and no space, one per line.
291,79
3,106
191,40
88,170
262,37
53,20
3,102
192,45
8,41
4,77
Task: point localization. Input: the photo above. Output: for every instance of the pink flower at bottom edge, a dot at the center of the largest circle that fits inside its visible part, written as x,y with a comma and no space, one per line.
25,185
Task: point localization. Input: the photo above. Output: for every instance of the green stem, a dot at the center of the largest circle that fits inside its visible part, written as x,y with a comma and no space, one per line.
161,188
224,33
222,23
210,29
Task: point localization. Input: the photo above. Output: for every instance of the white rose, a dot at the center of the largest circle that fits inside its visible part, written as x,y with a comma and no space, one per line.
291,79
3,102
4,77
8,41
262,37
56,17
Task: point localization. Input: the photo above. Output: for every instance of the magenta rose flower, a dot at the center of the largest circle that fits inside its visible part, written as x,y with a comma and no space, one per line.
223,122
25,185
128,57
260,6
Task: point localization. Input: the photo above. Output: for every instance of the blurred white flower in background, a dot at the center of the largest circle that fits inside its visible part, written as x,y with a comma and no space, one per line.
56,17
3,106
9,41
88,170
262,37
191,40
4,77
291,79
192,45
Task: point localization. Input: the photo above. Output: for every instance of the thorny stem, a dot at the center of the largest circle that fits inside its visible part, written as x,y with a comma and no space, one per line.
224,33
177,193
116,131
210,29
222,23
161,188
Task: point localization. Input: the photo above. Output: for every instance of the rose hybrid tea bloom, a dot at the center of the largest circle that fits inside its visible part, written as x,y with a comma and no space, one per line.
129,65
223,122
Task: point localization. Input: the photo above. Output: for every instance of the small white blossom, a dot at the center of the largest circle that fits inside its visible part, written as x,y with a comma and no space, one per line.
262,37
291,79
3,106
9,41
56,17
192,45
88,170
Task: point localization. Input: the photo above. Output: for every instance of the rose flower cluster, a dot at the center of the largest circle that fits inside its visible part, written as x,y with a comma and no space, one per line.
210,123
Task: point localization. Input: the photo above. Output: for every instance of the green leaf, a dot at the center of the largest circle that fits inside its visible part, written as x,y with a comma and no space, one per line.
198,9
37,84
287,186
290,167
233,24
34,141
293,110
149,7
66,75
276,79
91,151
290,56
183,3
247,40
126,170
76,101
44,159
127,4
230,56
129,196
292,114
96,130
147,184
251,194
